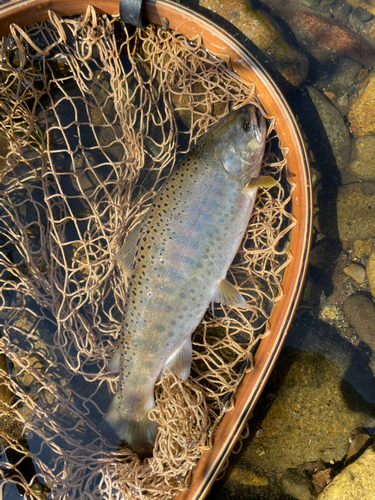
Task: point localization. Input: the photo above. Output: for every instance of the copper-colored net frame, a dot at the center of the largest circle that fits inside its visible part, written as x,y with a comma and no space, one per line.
290,142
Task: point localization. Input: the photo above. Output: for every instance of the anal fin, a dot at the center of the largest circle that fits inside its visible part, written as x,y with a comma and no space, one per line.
226,293
180,361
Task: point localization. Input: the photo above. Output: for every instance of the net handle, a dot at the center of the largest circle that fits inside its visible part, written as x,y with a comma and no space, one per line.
131,12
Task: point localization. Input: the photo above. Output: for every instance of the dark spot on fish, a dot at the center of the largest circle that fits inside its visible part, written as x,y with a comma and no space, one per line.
170,335
180,316
159,328
199,265
173,323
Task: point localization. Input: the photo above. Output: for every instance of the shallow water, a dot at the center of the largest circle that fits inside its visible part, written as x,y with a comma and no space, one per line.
320,341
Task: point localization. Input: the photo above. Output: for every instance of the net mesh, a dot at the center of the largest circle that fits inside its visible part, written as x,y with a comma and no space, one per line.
94,116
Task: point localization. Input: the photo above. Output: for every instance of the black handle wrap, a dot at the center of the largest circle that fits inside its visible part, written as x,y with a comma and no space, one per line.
131,12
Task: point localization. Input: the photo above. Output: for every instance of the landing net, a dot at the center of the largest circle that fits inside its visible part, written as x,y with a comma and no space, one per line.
93,117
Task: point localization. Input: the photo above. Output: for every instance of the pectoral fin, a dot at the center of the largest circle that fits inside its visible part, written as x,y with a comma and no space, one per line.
180,362
227,293
126,254
263,181
114,364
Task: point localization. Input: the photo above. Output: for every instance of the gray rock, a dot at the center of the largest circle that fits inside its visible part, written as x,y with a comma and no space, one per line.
359,311
342,76
334,126
363,15
296,484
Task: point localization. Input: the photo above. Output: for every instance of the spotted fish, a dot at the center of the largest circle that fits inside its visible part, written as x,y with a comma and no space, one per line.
176,260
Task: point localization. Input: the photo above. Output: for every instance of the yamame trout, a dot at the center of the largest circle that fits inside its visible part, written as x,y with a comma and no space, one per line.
176,260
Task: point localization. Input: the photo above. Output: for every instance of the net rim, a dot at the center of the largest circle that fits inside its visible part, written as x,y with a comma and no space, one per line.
244,64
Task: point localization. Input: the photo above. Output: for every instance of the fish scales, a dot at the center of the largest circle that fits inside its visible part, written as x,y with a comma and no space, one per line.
176,262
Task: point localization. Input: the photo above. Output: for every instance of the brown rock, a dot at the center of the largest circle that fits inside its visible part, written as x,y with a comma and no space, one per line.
330,35
357,446
362,248
278,57
362,110
359,311
321,478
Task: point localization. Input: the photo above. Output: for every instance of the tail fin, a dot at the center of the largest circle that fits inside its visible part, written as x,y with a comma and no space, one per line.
139,434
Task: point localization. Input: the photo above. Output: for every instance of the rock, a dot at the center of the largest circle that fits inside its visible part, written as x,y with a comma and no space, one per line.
310,418
287,66
342,77
363,15
359,311
311,3
362,248
358,446
370,269
355,482
247,477
296,484
367,5
356,272
362,110
321,478
362,163
337,132
322,36
355,212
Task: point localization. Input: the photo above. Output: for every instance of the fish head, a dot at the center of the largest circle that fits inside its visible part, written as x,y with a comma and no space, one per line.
240,142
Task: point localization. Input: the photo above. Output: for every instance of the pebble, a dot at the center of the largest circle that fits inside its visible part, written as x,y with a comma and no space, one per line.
367,5
296,484
362,110
287,65
356,272
362,162
355,482
359,311
370,270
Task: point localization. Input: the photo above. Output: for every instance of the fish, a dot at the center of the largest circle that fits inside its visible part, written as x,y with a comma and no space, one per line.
176,259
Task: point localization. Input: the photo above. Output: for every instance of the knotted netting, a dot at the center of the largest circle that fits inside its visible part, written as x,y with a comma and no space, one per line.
94,116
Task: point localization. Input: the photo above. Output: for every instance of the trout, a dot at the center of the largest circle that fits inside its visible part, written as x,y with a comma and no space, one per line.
176,260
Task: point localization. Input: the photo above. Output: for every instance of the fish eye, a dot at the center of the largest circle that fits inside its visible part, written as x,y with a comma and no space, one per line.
245,124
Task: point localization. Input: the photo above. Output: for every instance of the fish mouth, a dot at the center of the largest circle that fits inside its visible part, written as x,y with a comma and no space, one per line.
259,123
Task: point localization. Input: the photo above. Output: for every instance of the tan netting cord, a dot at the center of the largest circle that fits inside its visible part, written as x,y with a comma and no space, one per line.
94,115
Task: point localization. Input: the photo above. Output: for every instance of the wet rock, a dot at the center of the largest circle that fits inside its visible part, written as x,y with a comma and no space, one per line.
321,478
248,477
356,272
342,77
366,5
322,36
362,162
296,484
310,418
334,126
358,446
287,65
362,110
363,15
370,270
355,482
359,311
355,212
362,248
311,3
